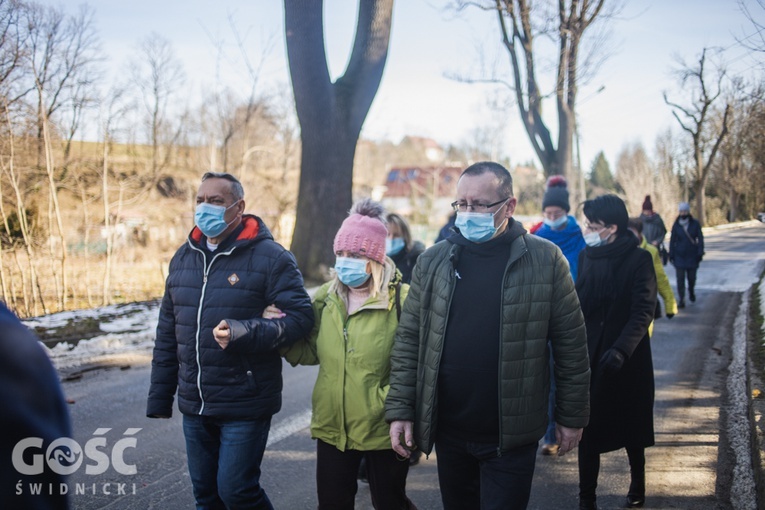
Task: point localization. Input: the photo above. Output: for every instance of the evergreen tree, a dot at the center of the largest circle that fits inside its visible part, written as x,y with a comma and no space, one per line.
600,173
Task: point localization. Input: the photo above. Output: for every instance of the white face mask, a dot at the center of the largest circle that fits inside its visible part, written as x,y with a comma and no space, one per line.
593,239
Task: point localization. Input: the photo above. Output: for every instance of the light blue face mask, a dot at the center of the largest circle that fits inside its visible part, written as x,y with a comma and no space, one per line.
476,227
556,223
594,240
352,272
210,218
393,246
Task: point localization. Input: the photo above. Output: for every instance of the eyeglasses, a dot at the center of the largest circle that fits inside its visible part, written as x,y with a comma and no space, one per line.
464,206
554,215
597,227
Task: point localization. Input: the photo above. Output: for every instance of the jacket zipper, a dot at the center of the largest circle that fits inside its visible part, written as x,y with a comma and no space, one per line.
199,317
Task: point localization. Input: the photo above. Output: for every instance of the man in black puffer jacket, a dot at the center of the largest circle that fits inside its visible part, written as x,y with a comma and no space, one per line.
214,348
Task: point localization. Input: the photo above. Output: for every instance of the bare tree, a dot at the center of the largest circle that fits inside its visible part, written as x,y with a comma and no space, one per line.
635,175
755,41
114,108
519,28
12,50
735,178
697,120
33,298
330,116
159,75
63,57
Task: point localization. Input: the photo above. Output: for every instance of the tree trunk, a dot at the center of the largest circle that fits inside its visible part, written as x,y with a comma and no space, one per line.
331,116
49,167
700,187
106,287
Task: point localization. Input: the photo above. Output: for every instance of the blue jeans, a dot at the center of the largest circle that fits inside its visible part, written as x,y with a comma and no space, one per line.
224,461
472,475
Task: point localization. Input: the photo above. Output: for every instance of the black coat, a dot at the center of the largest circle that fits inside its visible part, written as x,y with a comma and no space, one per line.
406,259
33,406
617,289
236,282
686,251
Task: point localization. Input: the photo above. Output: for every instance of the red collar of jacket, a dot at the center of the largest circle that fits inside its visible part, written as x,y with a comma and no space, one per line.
249,231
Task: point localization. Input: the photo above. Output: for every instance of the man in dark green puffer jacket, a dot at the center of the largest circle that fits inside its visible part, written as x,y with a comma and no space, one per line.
469,368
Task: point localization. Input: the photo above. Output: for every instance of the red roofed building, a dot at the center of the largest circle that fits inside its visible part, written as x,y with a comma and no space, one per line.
421,193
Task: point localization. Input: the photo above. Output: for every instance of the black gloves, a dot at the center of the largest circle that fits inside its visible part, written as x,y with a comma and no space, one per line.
611,362
670,315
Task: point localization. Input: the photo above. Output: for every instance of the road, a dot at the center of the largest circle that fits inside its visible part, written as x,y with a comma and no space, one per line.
689,467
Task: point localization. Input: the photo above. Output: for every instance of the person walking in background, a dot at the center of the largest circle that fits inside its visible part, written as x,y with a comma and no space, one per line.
662,281
469,369
562,230
216,350
33,406
447,229
654,229
356,319
617,291
686,250
400,246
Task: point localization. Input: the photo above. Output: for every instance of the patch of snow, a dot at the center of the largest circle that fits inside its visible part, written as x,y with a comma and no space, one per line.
129,329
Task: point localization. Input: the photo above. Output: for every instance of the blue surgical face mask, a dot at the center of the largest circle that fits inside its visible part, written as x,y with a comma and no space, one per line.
210,218
476,227
394,245
556,223
352,272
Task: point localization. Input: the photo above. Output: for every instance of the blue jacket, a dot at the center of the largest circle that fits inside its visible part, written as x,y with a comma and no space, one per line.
235,283
569,240
686,251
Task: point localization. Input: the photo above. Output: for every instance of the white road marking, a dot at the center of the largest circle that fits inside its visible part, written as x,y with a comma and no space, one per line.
289,426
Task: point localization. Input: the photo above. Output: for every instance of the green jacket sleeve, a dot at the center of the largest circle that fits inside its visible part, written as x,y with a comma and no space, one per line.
303,352
568,339
400,402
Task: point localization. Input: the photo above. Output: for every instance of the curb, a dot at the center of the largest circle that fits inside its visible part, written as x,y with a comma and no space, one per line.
731,226
743,494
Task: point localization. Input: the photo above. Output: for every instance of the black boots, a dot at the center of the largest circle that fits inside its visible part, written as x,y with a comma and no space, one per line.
636,494
692,295
681,303
587,504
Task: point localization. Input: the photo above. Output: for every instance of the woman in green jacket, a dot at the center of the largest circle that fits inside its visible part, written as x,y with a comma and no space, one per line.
356,319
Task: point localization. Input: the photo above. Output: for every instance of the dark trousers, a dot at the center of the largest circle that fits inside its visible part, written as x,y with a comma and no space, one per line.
224,461
589,467
336,478
473,475
681,275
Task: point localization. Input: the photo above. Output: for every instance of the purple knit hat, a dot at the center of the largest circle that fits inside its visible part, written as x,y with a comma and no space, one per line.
363,232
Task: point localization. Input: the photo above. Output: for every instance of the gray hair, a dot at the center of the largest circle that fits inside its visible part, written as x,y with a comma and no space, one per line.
236,187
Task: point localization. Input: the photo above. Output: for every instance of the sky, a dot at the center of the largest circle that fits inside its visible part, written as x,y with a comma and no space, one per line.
622,104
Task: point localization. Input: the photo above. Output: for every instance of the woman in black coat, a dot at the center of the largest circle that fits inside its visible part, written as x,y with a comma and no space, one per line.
686,249
400,246
616,285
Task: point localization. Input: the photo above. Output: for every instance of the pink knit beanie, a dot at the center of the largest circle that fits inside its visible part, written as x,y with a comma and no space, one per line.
363,232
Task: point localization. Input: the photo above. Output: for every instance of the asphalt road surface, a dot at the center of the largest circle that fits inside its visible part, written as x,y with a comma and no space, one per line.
690,466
